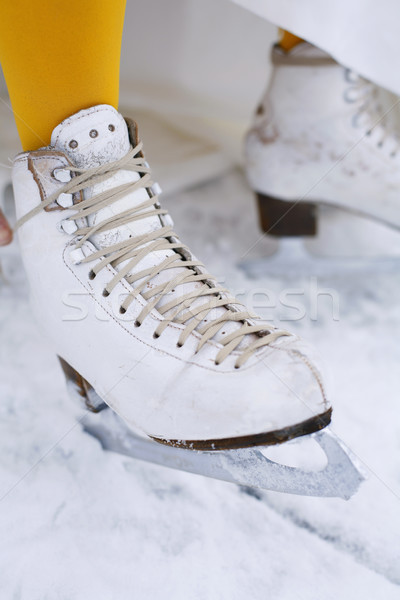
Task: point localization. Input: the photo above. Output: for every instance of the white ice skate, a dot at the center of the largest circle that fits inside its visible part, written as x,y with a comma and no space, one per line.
320,140
141,327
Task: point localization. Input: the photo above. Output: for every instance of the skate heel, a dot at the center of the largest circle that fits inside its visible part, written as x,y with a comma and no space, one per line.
281,218
81,389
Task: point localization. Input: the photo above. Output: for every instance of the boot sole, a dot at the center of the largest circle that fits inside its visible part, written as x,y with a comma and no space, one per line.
270,438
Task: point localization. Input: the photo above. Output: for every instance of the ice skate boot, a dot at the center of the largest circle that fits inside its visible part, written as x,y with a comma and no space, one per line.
321,141
136,319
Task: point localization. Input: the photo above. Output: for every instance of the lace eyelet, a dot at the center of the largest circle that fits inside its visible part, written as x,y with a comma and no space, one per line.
73,144
348,97
91,275
237,367
61,174
137,323
111,127
178,345
105,293
156,335
122,310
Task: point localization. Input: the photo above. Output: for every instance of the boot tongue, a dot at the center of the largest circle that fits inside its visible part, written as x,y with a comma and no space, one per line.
97,136
92,137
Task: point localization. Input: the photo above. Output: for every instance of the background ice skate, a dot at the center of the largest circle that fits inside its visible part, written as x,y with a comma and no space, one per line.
78,523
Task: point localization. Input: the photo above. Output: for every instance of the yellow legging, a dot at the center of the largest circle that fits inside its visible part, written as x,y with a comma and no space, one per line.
288,40
59,57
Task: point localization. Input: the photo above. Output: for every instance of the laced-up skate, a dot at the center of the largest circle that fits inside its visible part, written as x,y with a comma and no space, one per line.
141,327
321,138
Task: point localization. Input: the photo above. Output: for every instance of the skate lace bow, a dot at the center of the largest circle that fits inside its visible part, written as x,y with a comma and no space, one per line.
192,309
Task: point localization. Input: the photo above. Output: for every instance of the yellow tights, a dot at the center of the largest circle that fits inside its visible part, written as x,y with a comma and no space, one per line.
59,57
288,40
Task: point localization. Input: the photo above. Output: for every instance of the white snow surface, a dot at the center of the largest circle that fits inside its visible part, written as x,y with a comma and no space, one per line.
80,523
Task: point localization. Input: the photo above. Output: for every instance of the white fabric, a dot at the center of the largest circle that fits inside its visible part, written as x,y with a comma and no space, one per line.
361,34
214,59
201,71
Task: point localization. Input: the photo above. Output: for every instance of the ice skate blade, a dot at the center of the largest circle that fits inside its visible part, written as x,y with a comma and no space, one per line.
344,234
329,230
292,258
340,478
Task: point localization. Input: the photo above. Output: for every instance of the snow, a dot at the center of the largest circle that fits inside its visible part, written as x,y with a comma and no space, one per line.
77,522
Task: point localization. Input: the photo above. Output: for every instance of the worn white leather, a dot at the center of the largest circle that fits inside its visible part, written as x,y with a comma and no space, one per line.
319,136
159,389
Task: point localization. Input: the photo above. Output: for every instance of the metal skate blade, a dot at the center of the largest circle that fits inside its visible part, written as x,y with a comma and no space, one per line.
340,478
348,234
293,259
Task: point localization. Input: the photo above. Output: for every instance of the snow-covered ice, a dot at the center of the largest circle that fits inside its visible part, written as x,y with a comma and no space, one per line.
78,523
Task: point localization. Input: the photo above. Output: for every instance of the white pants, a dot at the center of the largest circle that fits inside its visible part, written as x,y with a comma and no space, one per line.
204,64
361,34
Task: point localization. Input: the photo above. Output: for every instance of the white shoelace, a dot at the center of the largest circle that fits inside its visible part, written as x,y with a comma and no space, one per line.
366,95
181,309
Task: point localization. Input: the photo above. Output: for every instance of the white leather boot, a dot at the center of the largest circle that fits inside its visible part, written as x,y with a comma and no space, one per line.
320,137
135,316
